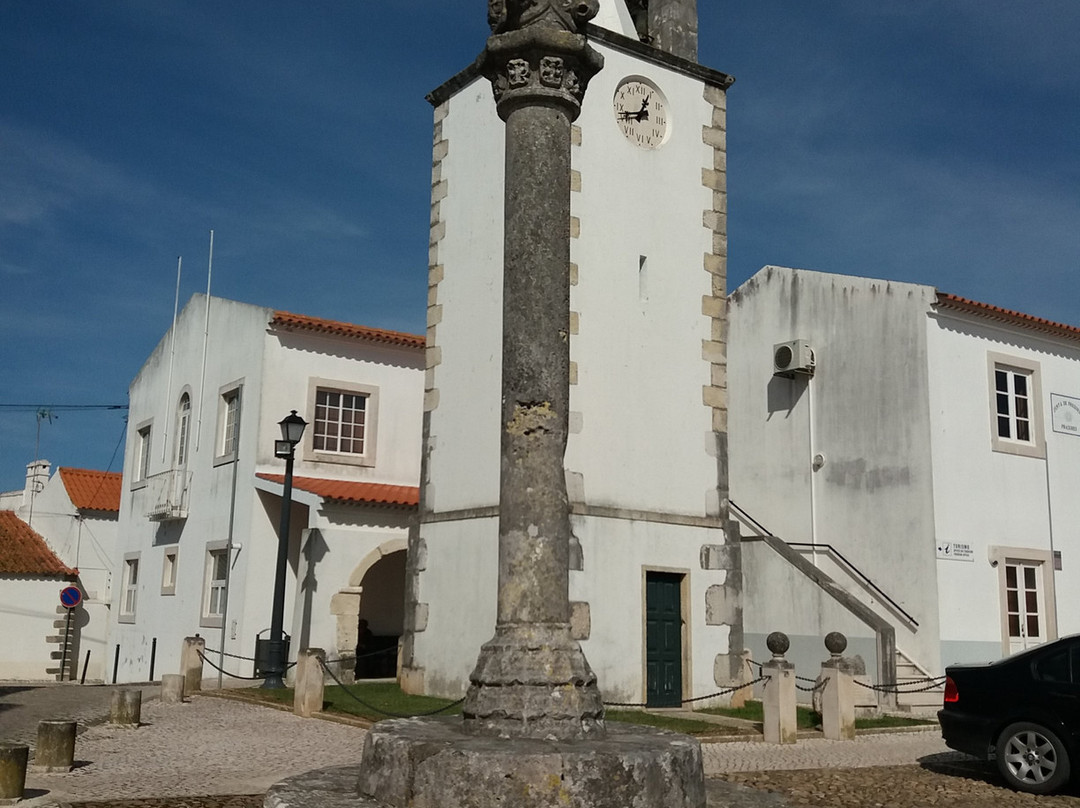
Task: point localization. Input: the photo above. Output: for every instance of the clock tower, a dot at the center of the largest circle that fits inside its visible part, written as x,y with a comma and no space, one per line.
655,580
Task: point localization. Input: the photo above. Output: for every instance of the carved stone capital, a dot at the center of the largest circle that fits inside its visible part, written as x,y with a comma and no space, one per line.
539,65
569,15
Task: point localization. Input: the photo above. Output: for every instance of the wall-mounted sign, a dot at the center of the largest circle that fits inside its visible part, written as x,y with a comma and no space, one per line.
955,551
1065,414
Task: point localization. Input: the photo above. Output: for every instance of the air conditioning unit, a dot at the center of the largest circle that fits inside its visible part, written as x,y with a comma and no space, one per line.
793,358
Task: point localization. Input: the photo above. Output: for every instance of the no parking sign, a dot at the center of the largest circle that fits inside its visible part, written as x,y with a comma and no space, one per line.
70,597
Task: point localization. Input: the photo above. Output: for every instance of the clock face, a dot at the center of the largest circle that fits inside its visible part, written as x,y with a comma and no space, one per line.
641,113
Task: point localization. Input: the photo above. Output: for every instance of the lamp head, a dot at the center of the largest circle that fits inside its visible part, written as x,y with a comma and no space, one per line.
292,428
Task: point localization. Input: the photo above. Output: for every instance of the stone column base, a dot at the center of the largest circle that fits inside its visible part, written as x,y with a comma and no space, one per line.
434,763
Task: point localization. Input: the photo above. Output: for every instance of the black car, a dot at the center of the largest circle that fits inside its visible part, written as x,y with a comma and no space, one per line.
1022,712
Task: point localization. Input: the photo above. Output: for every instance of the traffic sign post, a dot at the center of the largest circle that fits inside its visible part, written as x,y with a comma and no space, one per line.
70,598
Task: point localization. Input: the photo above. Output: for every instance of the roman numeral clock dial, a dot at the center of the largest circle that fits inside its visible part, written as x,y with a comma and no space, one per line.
641,113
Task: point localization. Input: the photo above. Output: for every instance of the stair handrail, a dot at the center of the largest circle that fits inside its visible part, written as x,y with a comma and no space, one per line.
851,568
884,632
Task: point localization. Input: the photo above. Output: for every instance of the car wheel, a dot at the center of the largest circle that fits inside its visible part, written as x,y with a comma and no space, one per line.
1031,758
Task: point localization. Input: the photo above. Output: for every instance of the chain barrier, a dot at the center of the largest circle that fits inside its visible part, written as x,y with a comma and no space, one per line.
232,675
817,685
363,703
226,653
354,657
726,691
904,687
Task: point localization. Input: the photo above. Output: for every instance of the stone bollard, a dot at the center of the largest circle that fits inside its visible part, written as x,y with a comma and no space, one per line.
308,693
126,707
838,694
778,701
172,688
743,694
191,663
13,757
55,750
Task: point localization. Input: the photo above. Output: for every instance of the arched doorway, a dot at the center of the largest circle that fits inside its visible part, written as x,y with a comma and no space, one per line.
381,609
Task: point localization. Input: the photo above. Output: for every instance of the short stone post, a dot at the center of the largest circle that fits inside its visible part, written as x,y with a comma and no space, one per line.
778,701
308,689
126,707
743,694
838,694
191,663
55,750
13,757
172,688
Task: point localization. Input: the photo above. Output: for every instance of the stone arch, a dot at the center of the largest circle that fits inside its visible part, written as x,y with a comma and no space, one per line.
380,576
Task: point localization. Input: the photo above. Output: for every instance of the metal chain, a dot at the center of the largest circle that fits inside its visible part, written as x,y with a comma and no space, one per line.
233,675
726,691
380,711
817,686
226,653
901,687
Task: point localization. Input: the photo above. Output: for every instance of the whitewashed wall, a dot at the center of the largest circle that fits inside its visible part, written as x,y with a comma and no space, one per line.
991,499
866,412
28,608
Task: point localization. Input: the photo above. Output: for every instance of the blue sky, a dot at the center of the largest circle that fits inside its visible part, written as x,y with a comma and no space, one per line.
930,141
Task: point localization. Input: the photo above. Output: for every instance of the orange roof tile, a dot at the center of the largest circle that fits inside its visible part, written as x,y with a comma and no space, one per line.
352,491
24,552
92,490
284,319
957,303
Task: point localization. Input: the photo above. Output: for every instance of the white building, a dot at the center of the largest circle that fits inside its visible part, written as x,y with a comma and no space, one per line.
935,446
74,513
201,475
654,583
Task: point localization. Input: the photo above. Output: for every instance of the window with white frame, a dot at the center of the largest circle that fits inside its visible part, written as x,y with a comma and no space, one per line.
143,443
183,430
343,419
1016,408
228,432
129,589
215,585
340,421
168,571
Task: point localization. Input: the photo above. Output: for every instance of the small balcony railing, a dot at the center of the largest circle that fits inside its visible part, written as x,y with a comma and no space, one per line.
168,495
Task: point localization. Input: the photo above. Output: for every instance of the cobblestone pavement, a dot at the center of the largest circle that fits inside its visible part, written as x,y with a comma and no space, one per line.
206,746
23,705
218,748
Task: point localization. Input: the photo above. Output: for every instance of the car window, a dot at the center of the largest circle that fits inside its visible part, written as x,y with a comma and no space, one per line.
1054,667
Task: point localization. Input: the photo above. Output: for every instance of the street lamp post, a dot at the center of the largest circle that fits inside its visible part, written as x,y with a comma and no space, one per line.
292,429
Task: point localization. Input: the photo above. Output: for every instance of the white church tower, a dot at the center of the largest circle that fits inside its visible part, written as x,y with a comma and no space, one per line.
655,582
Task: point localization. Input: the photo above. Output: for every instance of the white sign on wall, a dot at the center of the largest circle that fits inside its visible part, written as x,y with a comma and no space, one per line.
1065,414
955,551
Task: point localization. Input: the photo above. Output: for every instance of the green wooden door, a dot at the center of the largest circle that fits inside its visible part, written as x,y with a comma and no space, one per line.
663,639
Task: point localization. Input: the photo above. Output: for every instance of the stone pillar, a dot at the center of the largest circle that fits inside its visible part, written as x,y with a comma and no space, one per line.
126,707
778,701
838,694
191,663
13,757
55,750
172,688
308,692
531,679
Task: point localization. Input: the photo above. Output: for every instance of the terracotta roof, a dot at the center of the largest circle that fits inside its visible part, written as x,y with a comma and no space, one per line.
351,491
24,552
283,319
957,303
92,490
